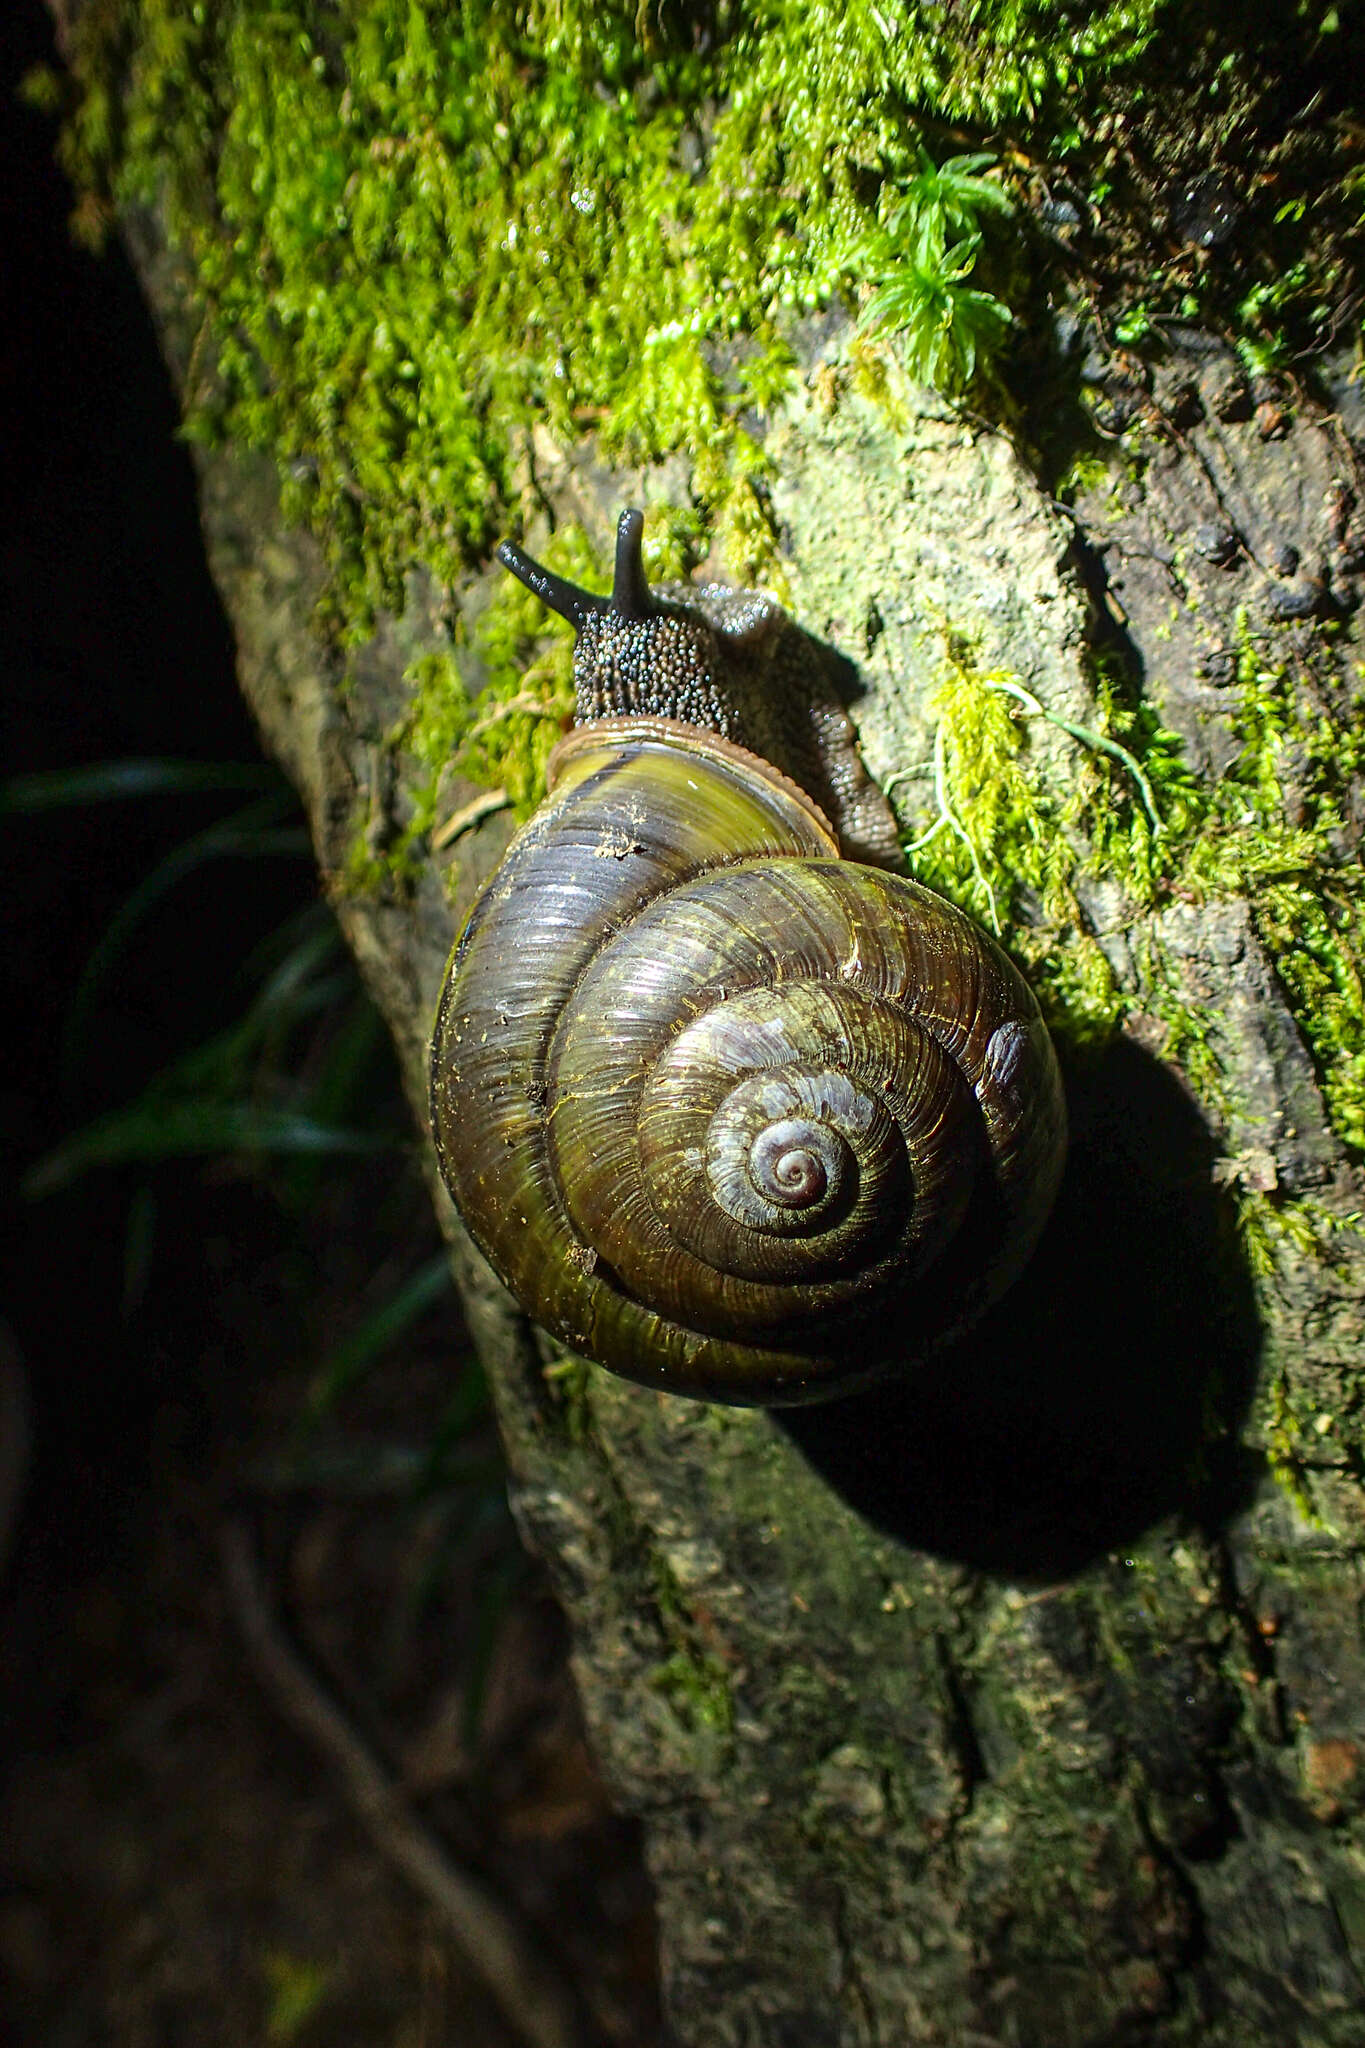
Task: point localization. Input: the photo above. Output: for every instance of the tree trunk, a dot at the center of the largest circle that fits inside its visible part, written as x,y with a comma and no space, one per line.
1023,1705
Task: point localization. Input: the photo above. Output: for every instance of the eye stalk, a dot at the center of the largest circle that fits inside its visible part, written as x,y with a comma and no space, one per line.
631,597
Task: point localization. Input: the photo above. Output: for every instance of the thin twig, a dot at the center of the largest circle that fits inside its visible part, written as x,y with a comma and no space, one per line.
469,815
948,816
524,701
1088,737
906,775
924,839
510,1959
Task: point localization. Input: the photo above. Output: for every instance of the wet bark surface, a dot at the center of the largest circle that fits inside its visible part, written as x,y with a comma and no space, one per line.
1019,1706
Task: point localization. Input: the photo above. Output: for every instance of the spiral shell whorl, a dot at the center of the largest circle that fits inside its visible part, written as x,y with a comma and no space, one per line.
778,1156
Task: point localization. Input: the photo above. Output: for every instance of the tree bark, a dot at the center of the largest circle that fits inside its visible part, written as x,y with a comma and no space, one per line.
1023,1707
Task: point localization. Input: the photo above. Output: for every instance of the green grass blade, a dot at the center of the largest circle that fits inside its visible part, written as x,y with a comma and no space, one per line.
352,1359
467,1407
336,1087
152,1130
251,833
114,781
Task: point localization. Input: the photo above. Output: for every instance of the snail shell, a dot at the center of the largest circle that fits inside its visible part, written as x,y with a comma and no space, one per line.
729,1113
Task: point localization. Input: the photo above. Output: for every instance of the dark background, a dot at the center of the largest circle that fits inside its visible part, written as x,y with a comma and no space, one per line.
114,646
175,1864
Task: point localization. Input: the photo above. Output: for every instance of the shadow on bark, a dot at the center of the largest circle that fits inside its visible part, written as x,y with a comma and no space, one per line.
1105,1392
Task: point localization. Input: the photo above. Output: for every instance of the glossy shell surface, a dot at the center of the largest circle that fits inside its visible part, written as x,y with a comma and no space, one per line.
727,1113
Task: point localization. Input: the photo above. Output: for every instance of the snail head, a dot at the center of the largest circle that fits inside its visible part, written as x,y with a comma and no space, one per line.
641,652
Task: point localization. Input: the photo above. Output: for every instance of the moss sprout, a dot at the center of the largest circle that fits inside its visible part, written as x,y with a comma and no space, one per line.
950,331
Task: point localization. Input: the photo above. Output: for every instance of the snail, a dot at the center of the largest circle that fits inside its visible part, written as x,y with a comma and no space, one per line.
729,1112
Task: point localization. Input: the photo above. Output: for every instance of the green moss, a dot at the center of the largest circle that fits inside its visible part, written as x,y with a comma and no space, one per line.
1271,830
414,231
1302,749
1086,472
698,1690
1011,853
570,1380
1296,1417
692,1678
1284,1434
950,331
296,1988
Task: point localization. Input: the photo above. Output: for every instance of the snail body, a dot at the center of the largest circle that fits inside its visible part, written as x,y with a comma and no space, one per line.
730,1113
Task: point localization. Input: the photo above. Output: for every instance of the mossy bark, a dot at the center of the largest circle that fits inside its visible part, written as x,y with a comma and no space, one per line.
1023,1706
